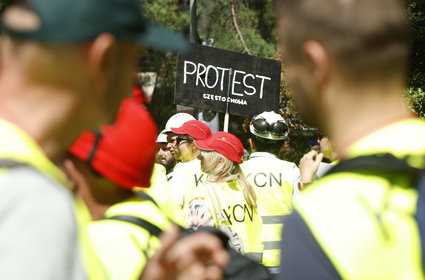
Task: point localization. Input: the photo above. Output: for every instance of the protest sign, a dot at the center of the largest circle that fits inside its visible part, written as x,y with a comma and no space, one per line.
210,78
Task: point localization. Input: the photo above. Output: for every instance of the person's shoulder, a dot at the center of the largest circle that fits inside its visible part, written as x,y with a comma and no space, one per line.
141,208
26,182
158,169
414,122
26,193
286,163
402,138
269,159
340,189
410,130
193,165
277,163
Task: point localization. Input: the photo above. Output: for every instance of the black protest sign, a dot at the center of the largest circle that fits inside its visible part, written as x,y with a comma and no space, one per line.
208,78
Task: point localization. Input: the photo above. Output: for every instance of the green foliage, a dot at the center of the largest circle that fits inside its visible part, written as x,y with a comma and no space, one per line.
416,10
174,15
167,12
416,98
220,20
248,26
241,26
416,79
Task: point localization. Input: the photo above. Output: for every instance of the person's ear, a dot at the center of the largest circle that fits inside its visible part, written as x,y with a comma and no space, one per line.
194,148
318,61
76,174
100,57
73,174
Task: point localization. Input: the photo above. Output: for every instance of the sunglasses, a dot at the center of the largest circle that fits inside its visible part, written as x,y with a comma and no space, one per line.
179,140
278,128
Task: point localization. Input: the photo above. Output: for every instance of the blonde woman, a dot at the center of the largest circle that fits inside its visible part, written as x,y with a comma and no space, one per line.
226,200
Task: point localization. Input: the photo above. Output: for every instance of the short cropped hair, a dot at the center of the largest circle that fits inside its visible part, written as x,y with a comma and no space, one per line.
266,145
366,39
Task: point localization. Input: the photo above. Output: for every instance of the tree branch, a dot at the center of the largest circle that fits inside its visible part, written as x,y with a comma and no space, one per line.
238,31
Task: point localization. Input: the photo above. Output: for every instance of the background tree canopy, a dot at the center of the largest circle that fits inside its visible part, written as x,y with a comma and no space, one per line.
248,26
416,80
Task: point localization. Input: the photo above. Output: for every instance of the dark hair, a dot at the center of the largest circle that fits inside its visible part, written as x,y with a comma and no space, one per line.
366,39
266,145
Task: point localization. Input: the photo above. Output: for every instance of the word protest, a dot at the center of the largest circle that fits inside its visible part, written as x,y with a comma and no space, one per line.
210,78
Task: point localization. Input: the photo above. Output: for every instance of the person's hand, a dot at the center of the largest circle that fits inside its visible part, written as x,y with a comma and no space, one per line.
309,164
200,255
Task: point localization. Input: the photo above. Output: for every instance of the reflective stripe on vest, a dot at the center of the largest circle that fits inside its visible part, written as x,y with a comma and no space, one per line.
271,236
273,269
254,256
273,180
272,219
272,245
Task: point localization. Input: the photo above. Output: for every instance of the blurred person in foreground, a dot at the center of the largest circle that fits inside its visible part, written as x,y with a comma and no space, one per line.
66,65
347,63
105,167
226,200
275,181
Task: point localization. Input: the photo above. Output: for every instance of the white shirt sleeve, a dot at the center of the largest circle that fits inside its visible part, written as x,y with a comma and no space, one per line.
177,185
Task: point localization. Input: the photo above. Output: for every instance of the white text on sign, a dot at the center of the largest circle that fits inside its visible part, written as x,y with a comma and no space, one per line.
242,78
224,99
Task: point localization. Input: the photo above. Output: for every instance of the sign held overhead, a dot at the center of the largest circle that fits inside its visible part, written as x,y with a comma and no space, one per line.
209,78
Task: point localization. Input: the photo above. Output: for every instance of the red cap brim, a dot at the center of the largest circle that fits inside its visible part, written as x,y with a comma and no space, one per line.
203,145
178,130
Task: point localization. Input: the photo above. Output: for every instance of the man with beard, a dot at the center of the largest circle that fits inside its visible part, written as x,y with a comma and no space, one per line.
164,156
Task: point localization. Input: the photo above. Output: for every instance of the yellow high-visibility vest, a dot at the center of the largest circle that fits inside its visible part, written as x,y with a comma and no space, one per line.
365,223
186,178
160,191
123,247
242,218
16,145
274,181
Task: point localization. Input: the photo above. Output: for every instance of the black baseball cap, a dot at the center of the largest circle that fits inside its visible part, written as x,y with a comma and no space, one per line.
73,21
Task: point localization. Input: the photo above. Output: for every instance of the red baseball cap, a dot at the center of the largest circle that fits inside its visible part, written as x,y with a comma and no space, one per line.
123,152
224,143
196,129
